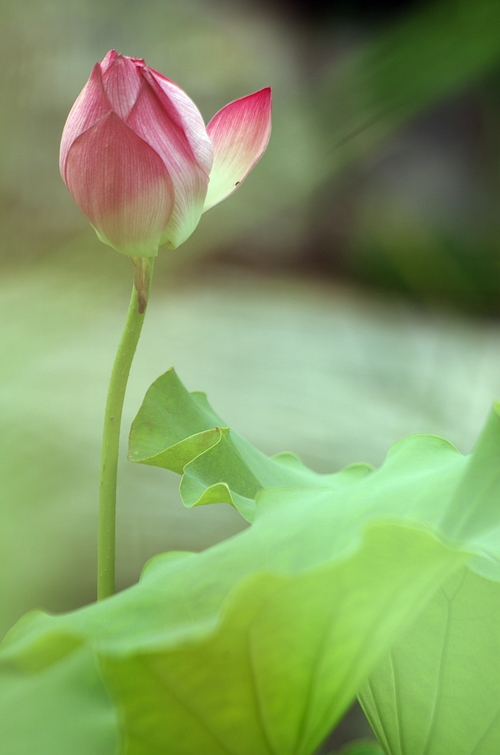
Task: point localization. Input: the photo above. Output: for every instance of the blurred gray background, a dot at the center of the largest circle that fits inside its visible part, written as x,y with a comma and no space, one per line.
348,294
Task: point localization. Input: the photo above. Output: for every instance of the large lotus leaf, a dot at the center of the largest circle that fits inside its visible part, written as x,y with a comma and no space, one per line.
427,482
56,707
258,644
438,692
246,648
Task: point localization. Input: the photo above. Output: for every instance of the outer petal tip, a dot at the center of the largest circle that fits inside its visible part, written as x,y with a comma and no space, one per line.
108,60
90,106
122,82
240,134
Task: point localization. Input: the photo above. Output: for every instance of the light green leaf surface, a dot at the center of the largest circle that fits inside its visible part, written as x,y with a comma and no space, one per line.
440,488
459,496
437,691
259,644
247,648
52,706
180,431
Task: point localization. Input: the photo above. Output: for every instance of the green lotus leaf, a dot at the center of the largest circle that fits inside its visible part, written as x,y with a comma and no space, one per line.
424,479
437,691
178,430
259,644
427,482
54,702
245,648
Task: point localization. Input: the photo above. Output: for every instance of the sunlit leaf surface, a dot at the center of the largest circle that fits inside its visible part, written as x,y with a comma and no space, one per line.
248,647
260,643
178,430
437,691
56,707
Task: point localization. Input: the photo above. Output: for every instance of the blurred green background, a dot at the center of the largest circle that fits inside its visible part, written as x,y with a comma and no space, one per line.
346,295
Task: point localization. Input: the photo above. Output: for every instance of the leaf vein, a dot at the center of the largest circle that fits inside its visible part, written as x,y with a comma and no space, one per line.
194,714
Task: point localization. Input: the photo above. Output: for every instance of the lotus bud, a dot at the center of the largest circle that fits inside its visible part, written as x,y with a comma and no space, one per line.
140,163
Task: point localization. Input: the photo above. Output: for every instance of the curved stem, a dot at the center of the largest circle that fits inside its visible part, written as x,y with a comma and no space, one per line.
112,421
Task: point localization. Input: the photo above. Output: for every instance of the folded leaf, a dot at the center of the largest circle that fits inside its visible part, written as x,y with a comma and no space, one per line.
178,430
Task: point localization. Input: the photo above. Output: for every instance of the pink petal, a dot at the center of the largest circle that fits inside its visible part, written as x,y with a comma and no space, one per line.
240,133
163,131
184,112
108,60
121,185
122,81
90,106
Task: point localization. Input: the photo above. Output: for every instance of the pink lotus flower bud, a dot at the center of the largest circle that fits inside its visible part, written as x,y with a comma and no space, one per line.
139,162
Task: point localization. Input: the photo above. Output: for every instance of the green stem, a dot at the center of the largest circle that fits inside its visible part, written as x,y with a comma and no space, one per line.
112,421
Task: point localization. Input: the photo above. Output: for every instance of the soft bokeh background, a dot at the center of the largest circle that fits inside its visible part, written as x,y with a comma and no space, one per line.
348,294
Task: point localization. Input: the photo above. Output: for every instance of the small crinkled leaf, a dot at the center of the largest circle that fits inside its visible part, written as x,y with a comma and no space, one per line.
178,430
61,709
438,691
424,479
169,417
